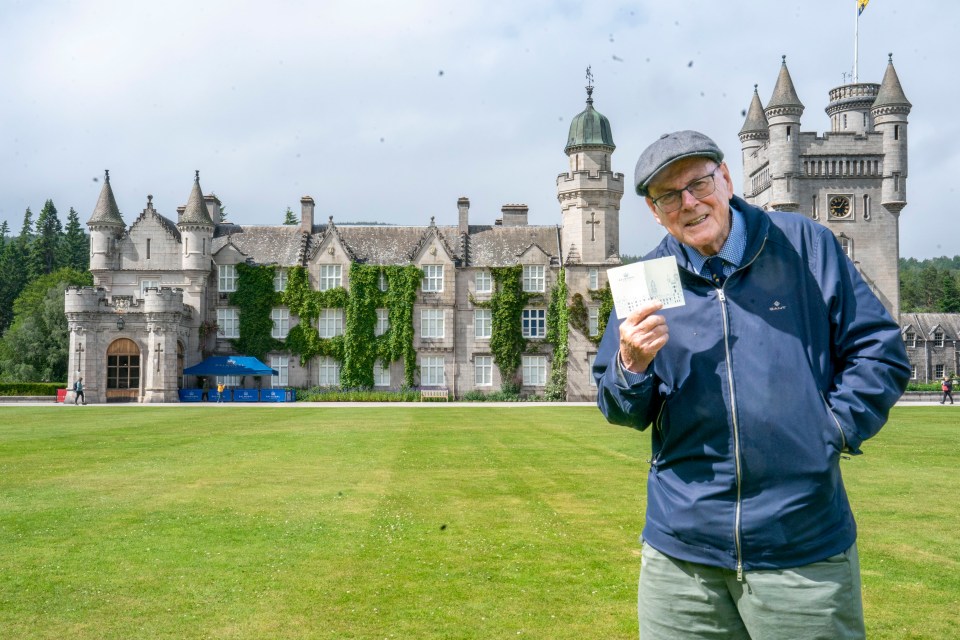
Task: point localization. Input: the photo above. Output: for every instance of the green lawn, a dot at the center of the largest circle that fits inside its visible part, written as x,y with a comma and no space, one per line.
399,522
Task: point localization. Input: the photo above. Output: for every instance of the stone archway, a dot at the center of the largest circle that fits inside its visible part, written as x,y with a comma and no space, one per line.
123,371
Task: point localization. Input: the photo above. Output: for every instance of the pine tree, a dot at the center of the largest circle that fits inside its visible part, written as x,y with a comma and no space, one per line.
44,251
290,218
75,244
13,275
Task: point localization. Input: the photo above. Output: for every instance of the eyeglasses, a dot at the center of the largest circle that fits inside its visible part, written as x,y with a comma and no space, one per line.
699,189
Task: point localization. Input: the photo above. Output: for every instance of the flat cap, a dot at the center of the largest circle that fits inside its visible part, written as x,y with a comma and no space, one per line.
670,148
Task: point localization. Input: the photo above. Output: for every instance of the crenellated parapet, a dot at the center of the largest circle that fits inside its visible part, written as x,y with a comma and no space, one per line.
163,300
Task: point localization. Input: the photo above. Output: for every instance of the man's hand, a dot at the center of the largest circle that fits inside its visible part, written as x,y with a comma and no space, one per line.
642,335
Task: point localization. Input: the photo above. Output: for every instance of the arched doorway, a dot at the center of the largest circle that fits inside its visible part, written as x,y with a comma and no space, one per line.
123,371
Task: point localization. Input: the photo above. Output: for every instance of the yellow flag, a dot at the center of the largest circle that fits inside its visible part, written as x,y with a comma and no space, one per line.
861,5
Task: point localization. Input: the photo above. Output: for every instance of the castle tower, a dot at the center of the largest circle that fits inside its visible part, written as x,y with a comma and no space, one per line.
106,228
890,111
590,192
851,179
196,230
783,115
753,136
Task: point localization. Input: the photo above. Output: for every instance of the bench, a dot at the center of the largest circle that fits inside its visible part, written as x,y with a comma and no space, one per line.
434,393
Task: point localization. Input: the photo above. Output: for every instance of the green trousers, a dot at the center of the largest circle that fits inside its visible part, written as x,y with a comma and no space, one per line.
819,601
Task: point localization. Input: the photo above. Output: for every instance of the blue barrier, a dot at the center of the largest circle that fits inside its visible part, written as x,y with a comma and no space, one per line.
273,395
245,395
191,395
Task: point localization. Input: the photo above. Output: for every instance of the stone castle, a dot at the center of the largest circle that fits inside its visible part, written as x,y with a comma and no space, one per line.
160,285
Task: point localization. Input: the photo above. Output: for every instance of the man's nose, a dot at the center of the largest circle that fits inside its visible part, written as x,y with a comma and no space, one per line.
688,199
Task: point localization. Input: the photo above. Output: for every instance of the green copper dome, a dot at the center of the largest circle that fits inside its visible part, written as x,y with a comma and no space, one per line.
590,127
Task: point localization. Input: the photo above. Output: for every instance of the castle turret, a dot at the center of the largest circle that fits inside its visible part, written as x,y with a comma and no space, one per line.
590,192
753,135
196,230
783,115
106,228
890,111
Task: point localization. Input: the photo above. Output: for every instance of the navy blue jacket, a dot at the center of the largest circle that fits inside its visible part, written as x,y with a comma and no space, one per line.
762,384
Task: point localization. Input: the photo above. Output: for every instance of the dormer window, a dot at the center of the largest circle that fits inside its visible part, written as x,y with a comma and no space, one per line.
910,338
938,338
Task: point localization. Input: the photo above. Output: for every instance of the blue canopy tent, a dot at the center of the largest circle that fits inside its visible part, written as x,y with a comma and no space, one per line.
230,366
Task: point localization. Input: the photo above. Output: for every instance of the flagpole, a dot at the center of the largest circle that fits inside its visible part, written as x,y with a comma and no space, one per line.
856,41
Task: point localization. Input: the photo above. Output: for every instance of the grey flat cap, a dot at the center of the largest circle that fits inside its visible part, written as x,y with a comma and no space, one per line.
670,148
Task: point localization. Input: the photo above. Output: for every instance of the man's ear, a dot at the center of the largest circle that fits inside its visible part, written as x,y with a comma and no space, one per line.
654,210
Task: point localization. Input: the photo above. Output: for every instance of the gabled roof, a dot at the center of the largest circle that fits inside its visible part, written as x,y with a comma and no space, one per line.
163,221
926,324
263,244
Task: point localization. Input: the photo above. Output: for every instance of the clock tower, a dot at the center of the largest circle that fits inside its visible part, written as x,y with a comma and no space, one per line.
851,179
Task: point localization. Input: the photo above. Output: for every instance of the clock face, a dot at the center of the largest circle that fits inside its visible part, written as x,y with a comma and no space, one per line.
839,206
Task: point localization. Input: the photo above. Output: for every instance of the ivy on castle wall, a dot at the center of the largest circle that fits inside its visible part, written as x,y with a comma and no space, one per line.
558,324
506,310
358,348
255,298
579,317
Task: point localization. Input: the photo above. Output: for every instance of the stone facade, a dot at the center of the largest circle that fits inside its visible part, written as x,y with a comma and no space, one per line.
161,286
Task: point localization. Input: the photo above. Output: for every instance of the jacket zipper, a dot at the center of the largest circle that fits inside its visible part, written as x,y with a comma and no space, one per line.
843,436
736,435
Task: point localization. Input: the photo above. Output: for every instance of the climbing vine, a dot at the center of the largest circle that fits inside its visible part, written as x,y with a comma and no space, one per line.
358,348
579,316
558,323
302,300
255,298
506,310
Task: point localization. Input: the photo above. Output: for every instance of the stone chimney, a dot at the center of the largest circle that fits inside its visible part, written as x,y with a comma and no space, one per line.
213,207
463,206
514,215
307,206
180,211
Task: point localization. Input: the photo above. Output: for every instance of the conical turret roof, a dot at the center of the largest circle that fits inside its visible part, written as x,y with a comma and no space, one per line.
784,95
756,121
106,211
891,93
589,127
196,211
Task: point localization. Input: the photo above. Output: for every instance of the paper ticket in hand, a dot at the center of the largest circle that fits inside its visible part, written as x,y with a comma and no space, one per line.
634,284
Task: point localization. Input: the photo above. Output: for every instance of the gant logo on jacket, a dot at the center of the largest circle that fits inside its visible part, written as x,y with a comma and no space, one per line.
777,306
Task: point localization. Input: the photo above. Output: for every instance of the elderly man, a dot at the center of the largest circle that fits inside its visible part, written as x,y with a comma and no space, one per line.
780,361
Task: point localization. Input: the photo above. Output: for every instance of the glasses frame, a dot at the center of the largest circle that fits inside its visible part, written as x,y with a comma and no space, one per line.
679,192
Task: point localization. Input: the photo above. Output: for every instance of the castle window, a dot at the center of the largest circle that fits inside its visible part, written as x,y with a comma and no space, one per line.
328,372
123,365
910,338
381,374
593,320
844,121
279,279
896,132
228,381
148,248
938,342
865,121
228,277
913,372
534,371
483,281
148,284
331,276
433,277
866,207
228,323
382,281
431,323
938,372
534,323
432,372
814,208
282,366
483,371
533,279
593,279
847,245
330,323
482,323
591,358
281,323
788,133
383,322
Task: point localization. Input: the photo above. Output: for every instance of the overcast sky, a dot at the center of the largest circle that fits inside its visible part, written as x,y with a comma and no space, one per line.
389,111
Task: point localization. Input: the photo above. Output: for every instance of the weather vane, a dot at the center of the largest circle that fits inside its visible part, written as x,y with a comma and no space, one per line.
589,77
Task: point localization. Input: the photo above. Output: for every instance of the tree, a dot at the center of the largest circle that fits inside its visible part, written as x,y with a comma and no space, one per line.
13,275
290,217
44,250
35,346
75,244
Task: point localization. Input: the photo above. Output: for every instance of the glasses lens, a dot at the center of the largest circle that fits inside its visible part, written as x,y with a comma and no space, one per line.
669,202
701,188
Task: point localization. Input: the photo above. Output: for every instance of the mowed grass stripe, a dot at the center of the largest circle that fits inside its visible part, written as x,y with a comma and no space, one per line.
459,522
